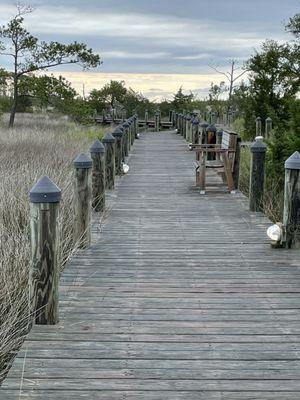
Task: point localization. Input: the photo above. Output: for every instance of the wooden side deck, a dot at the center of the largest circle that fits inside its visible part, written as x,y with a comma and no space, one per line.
179,297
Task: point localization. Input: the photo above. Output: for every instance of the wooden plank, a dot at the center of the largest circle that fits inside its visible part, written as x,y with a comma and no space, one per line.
178,297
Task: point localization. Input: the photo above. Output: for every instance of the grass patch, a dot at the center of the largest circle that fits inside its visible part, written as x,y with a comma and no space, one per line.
38,145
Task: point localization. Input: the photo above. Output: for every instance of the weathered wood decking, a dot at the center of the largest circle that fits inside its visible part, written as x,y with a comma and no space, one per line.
180,297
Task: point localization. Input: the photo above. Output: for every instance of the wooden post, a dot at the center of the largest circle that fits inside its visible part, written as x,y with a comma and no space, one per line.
159,118
109,143
177,122
137,126
180,124
44,269
118,135
83,200
132,135
237,160
184,126
146,117
97,151
156,122
291,213
203,137
258,126
257,174
188,127
170,115
268,127
126,138
195,131
122,127
129,131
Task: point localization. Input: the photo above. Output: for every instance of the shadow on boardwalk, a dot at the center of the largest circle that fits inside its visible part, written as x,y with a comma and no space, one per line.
179,297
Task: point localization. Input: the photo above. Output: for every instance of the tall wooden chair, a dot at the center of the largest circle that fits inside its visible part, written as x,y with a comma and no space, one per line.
223,161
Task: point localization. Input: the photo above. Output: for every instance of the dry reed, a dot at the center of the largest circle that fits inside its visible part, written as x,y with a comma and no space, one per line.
37,146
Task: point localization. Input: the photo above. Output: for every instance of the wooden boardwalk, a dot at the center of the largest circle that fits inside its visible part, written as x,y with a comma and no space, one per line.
179,297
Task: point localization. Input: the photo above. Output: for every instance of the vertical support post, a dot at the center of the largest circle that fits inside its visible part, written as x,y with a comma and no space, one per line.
156,122
184,126
291,213
44,269
118,135
132,135
97,151
187,127
268,127
83,200
170,115
123,128
203,138
146,117
258,126
136,127
126,139
110,163
180,116
237,160
257,174
129,132
195,131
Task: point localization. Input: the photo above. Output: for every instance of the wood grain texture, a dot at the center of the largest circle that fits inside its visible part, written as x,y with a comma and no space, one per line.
179,297
291,214
110,163
44,271
257,179
82,206
98,181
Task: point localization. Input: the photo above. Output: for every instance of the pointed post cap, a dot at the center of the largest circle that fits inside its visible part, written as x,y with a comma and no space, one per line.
83,161
126,125
45,191
196,121
258,146
204,125
293,162
108,138
258,119
118,132
269,119
97,147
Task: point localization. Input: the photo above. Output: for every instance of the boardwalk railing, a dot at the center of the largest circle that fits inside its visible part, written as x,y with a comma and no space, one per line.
196,132
92,176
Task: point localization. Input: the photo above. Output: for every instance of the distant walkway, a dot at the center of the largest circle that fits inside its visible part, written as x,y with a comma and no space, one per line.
180,297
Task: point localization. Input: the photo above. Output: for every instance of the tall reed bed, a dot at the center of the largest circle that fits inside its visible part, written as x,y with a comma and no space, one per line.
273,192
36,146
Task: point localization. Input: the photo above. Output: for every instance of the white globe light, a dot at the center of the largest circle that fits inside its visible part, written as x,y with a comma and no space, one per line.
125,168
274,232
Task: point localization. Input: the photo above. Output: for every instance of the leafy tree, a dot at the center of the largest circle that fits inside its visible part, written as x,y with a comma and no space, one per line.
97,100
46,90
136,102
30,55
182,101
114,92
294,25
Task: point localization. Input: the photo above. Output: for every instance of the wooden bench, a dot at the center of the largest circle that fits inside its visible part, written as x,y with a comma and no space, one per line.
224,160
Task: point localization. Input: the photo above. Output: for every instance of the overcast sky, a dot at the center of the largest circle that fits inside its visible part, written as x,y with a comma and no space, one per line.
155,38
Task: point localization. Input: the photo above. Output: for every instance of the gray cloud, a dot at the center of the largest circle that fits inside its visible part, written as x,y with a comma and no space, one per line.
160,37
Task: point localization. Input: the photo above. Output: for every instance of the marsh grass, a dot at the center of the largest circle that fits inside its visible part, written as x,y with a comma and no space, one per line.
38,145
273,192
